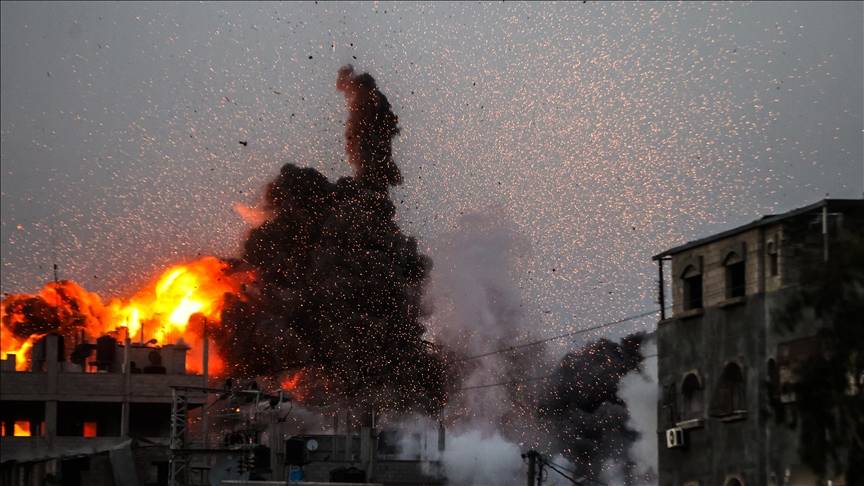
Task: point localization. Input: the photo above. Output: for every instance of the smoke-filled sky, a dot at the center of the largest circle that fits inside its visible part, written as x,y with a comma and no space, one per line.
601,133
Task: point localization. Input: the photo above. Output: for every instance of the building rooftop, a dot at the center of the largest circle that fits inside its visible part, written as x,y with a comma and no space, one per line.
831,204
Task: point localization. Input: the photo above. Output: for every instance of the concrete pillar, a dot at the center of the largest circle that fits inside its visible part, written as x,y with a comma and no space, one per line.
51,420
335,451
441,437
365,447
51,364
127,375
348,436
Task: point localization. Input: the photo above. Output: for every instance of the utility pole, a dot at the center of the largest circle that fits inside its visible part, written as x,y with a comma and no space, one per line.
532,456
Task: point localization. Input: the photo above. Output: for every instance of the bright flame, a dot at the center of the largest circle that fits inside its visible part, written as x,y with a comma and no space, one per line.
161,311
90,429
22,428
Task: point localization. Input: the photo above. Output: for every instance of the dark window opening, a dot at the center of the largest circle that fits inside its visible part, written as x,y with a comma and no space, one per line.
693,292
22,418
149,419
72,470
730,391
773,260
736,284
88,419
691,392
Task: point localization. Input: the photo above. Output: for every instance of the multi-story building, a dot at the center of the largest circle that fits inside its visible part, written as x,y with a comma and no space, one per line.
102,420
727,363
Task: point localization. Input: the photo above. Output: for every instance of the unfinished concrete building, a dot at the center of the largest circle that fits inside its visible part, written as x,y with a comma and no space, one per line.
105,421
728,364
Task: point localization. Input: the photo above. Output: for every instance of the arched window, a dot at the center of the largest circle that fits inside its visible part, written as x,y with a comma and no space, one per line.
691,280
733,481
736,271
729,398
691,392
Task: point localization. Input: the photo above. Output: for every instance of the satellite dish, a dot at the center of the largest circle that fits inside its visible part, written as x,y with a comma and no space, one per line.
312,445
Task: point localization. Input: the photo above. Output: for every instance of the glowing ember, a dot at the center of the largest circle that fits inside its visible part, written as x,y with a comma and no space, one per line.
175,307
291,383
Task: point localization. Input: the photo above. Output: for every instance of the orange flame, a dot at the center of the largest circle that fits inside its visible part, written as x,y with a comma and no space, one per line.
21,428
161,311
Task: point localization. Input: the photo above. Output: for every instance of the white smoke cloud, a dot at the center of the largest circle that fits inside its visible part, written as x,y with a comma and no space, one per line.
476,459
640,392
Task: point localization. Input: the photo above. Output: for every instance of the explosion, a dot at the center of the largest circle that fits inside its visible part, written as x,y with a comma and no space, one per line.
172,308
329,292
339,286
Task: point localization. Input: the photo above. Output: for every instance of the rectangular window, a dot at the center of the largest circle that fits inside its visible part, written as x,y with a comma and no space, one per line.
773,264
22,418
736,284
693,292
88,419
22,428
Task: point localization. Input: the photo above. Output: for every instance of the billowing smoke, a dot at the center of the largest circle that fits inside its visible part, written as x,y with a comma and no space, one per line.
640,391
339,285
582,403
369,131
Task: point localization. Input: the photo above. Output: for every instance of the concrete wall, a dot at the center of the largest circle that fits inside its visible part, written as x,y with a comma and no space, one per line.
718,446
91,387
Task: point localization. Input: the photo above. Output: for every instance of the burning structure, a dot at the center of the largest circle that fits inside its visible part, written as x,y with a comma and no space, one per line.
760,362
324,302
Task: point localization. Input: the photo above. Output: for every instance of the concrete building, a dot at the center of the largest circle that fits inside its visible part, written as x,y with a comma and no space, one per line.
105,421
726,364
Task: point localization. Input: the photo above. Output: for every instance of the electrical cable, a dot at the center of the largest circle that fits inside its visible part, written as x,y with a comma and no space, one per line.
560,336
561,473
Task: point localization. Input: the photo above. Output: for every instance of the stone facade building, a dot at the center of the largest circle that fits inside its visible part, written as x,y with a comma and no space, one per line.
726,365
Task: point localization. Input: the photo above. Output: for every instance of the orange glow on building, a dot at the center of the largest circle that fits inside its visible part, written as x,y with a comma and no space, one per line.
22,428
90,429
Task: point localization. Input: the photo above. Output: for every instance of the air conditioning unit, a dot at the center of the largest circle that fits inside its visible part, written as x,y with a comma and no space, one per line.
674,437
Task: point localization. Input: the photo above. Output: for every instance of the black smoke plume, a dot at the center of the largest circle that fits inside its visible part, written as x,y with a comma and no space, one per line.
369,131
339,285
582,405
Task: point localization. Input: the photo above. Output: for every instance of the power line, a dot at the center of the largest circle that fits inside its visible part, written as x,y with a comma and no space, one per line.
555,467
513,382
568,478
526,380
561,336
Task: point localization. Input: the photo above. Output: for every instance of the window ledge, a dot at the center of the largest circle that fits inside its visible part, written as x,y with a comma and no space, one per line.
731,301
695,423
688,314
733,416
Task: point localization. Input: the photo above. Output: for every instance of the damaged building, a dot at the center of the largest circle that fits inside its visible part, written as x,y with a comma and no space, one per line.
123,413
98,417
737,343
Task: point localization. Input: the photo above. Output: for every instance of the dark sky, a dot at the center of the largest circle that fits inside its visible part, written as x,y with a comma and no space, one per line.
601,132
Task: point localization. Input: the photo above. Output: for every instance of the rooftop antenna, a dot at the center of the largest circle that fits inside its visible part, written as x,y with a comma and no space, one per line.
54,253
